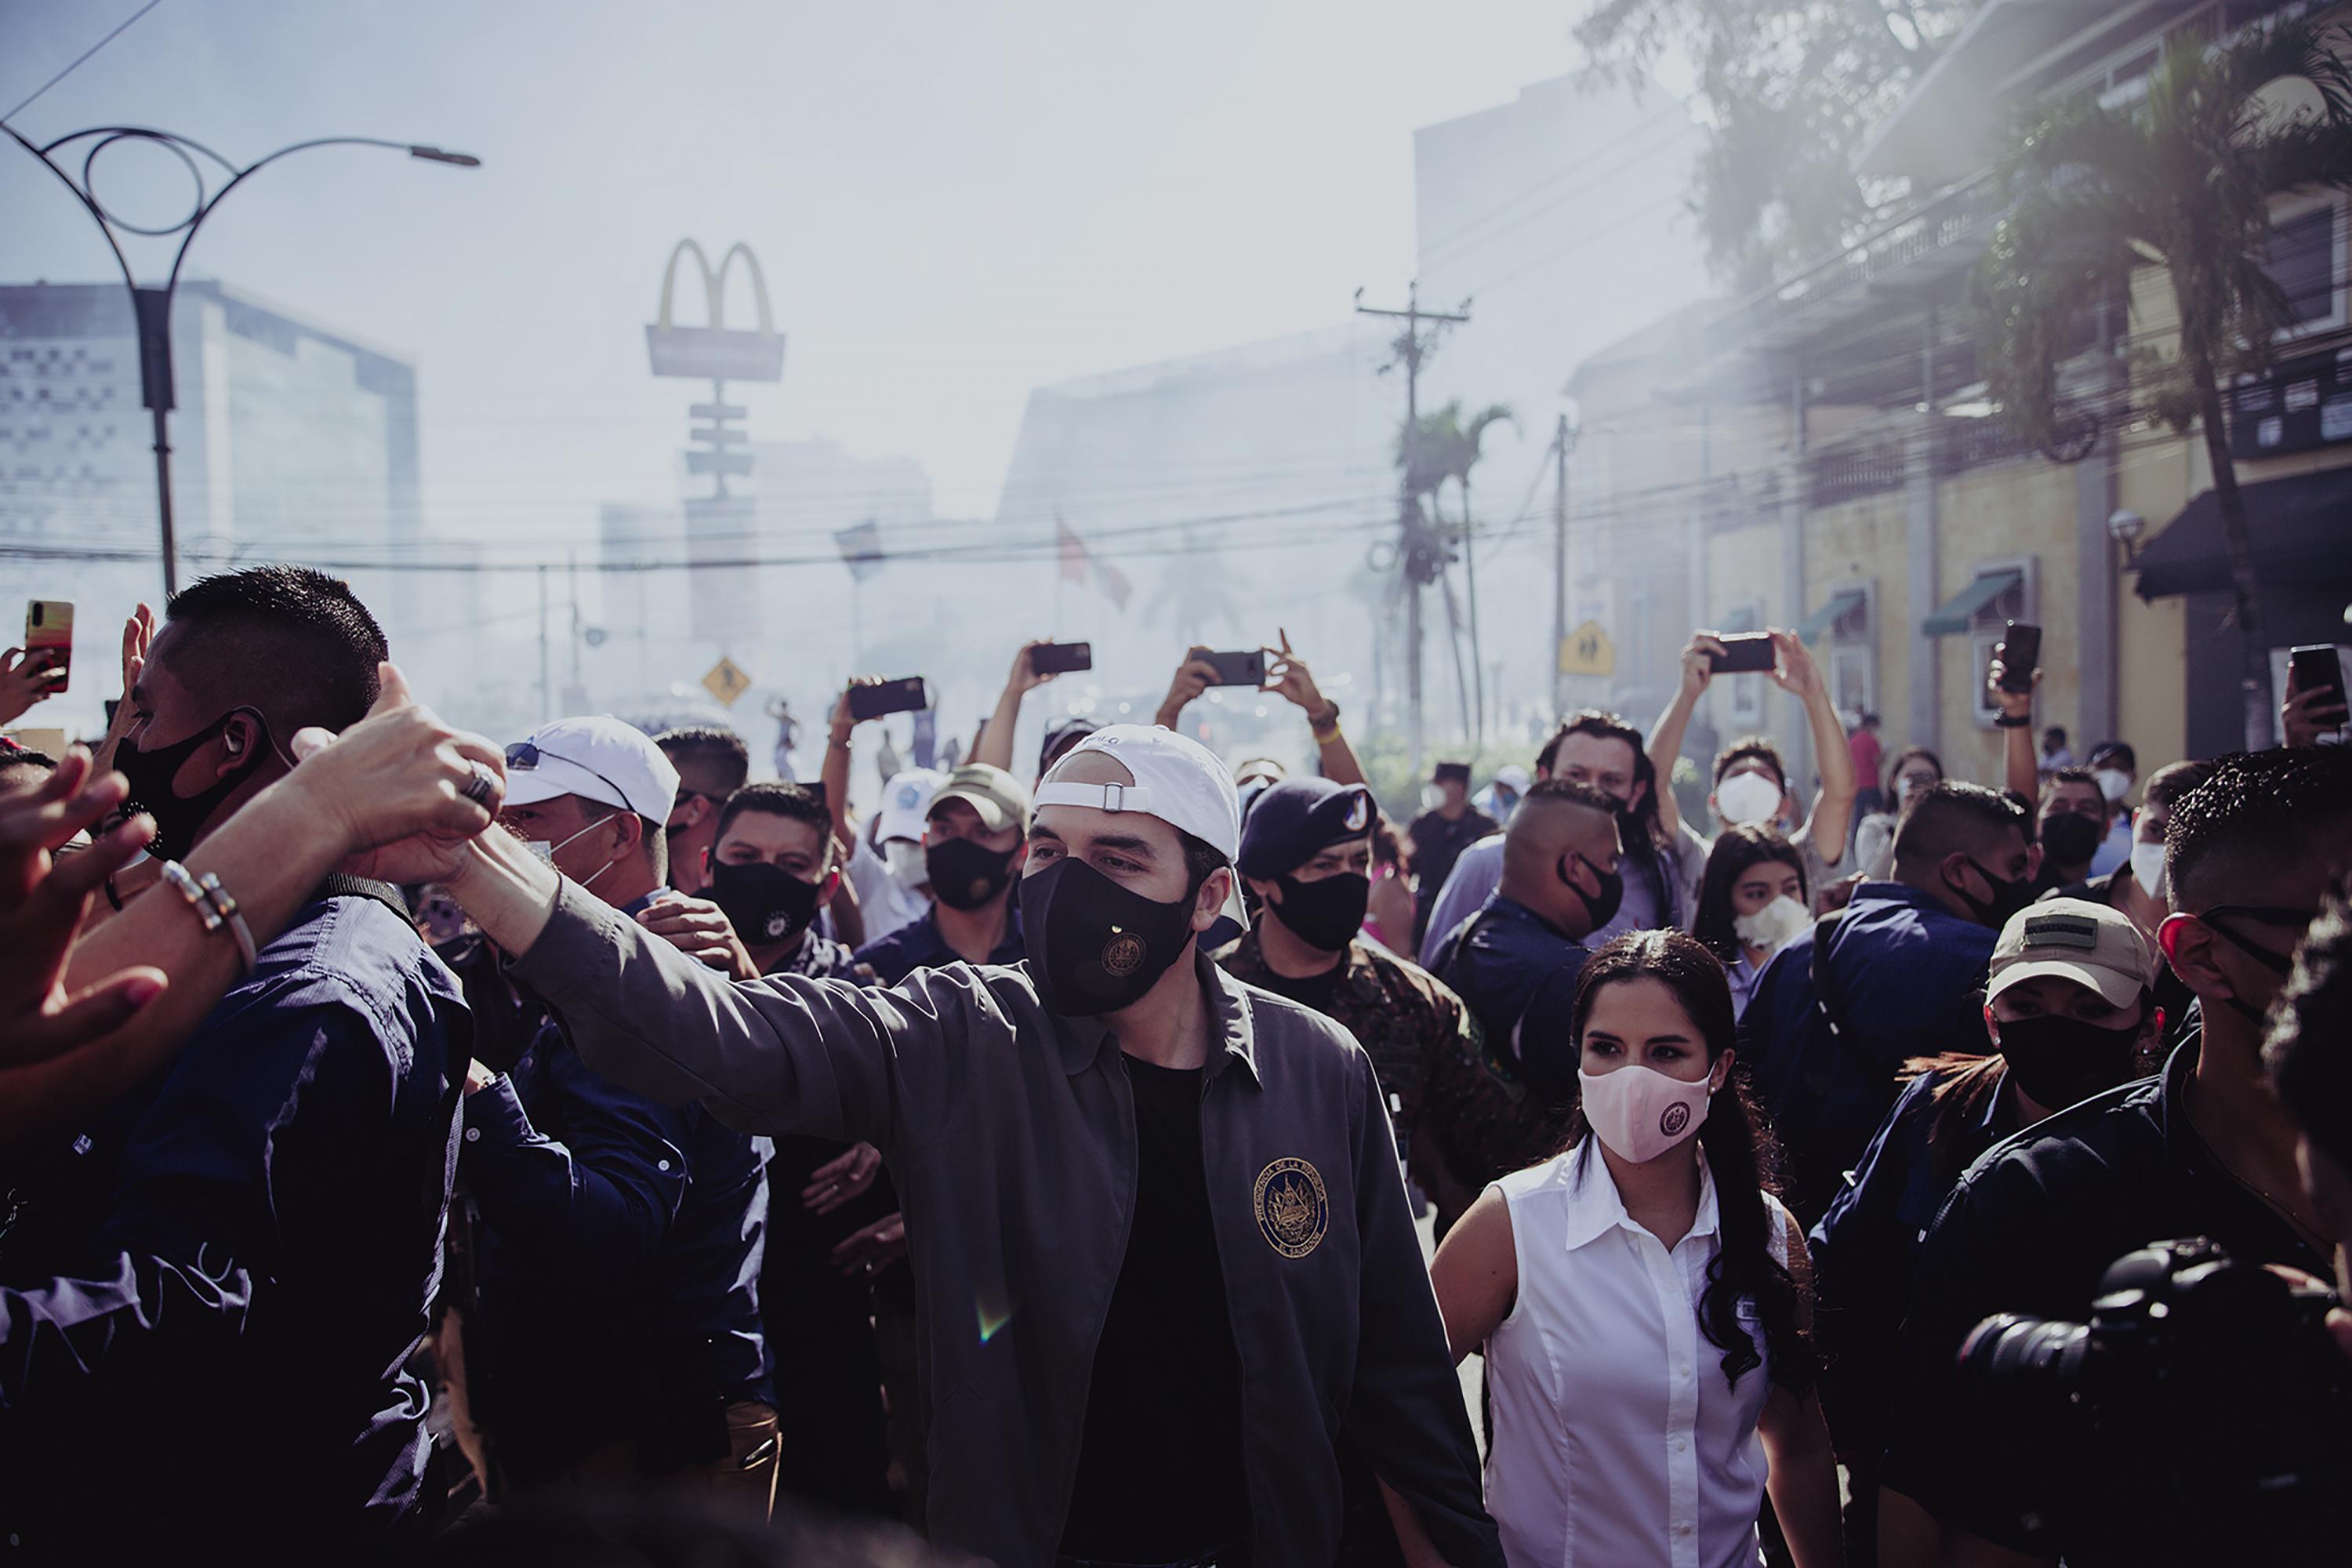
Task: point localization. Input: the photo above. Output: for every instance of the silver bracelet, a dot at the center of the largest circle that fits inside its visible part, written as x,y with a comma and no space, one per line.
215,906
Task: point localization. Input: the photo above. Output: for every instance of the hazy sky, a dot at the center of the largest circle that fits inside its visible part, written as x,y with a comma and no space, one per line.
954,203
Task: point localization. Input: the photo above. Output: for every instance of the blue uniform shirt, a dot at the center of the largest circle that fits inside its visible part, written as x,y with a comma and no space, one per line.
1911,975
621,1263
1518,973
919,945
304,1137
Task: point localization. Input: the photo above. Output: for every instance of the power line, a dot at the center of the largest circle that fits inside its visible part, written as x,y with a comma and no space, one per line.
77,60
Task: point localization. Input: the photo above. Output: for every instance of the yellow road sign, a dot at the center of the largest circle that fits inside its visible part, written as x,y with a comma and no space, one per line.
727,681
1588,651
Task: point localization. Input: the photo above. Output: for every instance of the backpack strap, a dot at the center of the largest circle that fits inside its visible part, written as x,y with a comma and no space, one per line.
1828,994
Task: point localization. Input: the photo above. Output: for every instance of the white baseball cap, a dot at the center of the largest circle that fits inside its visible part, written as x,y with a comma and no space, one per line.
599,759
907,804
1177,780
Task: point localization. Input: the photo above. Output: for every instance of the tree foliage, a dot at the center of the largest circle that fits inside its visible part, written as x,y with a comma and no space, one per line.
2183,180
1793,88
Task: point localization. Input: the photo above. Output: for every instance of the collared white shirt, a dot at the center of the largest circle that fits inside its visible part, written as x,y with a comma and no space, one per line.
1618,1441
882,902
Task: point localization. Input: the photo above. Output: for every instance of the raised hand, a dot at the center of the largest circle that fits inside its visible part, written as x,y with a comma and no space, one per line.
24,681
1699,654
405,791
43,897
1286,673
1194,676
1794,670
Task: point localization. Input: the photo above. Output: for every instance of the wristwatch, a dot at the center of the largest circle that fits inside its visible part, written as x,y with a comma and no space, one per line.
2012,720
1326,727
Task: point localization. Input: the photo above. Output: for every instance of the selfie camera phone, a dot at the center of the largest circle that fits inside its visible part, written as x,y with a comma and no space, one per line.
908,696
1238,668
2021,650
1744,653
1060,657
48,639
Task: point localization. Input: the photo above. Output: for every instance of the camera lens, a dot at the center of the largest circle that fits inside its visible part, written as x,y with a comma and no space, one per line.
2024,1367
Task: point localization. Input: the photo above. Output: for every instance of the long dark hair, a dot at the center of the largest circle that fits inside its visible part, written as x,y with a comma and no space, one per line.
1748,845
1741,1157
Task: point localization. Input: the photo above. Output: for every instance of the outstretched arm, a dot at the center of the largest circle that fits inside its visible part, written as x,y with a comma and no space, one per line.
1666,735
993,745
1831,817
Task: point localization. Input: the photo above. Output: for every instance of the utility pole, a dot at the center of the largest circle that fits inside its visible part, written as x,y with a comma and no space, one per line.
572,578
546,692
1419,554
1560,444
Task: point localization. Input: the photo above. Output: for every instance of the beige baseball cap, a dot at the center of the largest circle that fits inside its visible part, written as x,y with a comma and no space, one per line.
997,795
2074,939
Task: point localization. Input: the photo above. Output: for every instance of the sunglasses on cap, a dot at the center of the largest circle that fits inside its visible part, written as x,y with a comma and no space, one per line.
524,755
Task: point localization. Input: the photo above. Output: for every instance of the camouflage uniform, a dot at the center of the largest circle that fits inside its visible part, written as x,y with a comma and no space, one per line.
1462,1124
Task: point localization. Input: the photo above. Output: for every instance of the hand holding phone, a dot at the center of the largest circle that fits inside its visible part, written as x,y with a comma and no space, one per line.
2315,711
48,640
1239,669
2020,653
908,696
1744,653
1060,657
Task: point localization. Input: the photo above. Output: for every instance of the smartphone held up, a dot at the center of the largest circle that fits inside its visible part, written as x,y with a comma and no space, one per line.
48,640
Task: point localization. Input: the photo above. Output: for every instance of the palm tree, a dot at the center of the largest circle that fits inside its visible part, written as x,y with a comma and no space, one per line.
1445,446
2182,180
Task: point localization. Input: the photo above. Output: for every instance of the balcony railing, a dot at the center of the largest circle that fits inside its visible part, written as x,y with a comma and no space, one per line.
1874,464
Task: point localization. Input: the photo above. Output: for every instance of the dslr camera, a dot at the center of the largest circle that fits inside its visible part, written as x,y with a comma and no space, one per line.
2203,1415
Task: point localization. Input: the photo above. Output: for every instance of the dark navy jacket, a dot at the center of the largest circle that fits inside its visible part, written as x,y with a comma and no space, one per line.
1911,974
1518,972
1867,1246
302,1141
620,1275
919,946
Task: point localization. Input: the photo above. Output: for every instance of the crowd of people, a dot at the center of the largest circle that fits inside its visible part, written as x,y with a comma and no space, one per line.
422,1149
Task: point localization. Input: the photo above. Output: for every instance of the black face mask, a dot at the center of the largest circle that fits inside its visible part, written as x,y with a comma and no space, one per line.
2061,1061
764,903
178,818
965,874
1325,915
2008,898
2278,963
1600,907
1632,831
1094,946
2070,838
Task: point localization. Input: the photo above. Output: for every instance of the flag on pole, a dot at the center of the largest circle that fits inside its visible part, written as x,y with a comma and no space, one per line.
861,549
1079,566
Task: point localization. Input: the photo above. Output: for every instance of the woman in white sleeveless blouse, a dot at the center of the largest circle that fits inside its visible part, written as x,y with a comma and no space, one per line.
1641,1299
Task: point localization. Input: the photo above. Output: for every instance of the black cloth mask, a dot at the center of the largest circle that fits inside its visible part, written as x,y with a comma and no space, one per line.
178,818
764,903
966,874
1325,914
2070,838
1600,907
2008,898
2060,1061
1094,946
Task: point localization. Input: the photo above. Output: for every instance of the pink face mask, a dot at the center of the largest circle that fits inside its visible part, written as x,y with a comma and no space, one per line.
1639,1113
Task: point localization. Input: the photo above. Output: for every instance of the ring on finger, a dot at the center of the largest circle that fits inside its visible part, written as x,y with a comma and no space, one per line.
478,788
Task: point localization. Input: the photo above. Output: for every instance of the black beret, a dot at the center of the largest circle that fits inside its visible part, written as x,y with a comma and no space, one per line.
1295,820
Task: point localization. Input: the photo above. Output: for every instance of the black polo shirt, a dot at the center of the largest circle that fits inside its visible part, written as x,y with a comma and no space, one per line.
2032,1229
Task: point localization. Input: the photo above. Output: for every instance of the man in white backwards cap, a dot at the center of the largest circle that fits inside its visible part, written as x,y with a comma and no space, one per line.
1167,1270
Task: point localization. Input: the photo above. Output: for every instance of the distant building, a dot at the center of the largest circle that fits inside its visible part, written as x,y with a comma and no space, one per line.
290,441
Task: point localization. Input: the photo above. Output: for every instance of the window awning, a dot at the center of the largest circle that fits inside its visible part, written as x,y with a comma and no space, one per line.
2300,530
1841,604
1956,613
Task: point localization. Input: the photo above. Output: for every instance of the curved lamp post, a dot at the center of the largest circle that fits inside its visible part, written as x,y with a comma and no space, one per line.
152,304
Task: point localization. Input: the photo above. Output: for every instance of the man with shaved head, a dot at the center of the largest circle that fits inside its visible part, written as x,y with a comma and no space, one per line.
1128,1178
1516,961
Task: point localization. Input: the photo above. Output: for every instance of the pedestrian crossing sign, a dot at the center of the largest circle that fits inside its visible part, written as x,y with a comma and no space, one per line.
1588,651
727,681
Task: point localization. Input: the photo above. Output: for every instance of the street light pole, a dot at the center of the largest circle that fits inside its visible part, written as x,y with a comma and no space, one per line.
152,305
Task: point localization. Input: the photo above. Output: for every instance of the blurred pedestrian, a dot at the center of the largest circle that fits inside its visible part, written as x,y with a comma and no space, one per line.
1448,825
712,763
